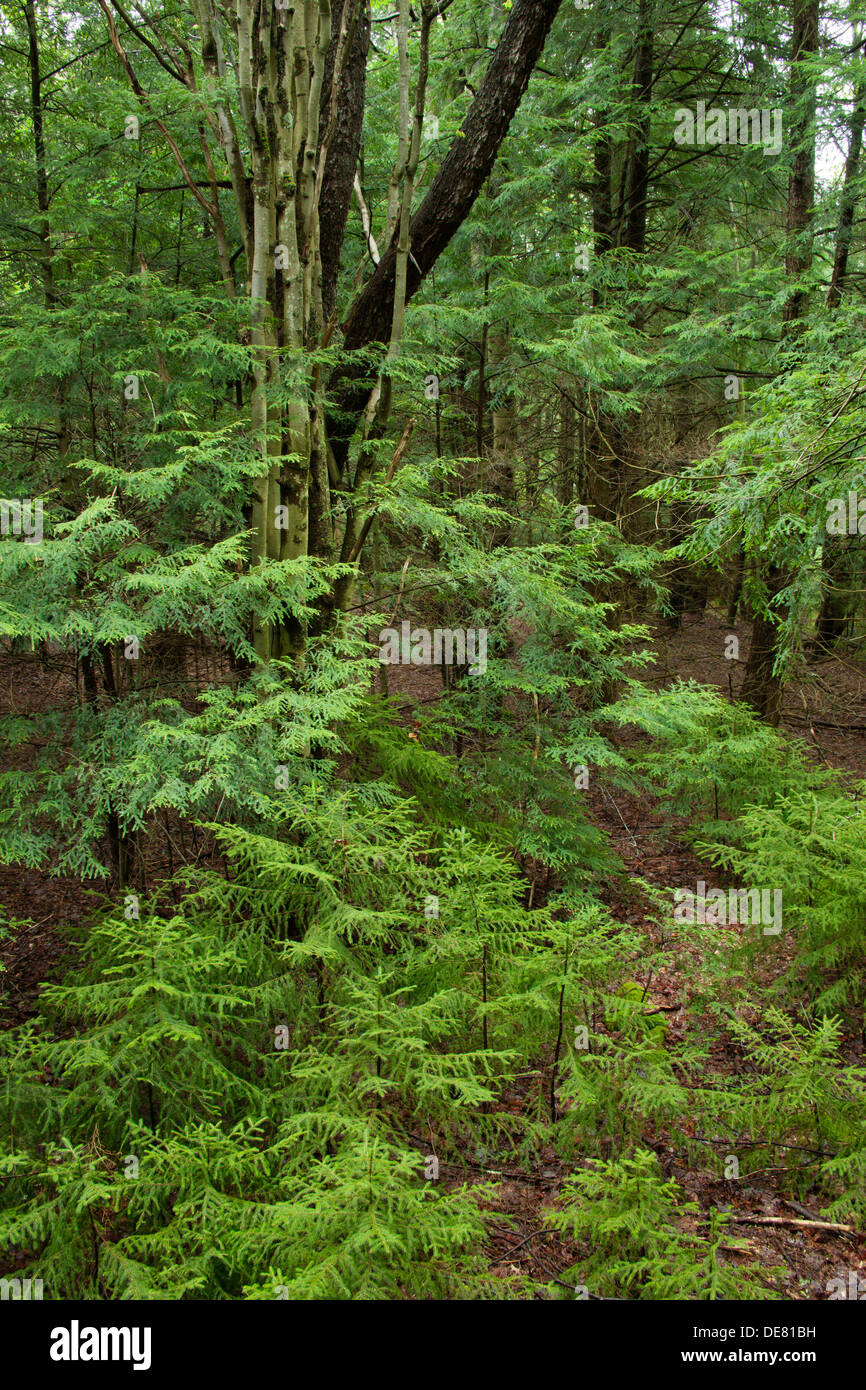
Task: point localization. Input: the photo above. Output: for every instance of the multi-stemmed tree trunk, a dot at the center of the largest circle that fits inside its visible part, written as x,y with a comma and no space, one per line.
285,83
277,57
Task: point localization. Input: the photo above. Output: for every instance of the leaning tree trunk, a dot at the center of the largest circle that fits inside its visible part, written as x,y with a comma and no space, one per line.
285,82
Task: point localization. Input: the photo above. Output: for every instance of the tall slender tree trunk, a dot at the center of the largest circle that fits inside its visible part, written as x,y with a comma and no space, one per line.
848,205
625,224
43,202
565,443
503,431
801,184
763,680
833,617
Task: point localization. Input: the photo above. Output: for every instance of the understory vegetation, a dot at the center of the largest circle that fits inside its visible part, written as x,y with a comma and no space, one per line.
368,996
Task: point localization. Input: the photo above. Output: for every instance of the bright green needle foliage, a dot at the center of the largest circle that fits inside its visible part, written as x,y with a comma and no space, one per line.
644,1240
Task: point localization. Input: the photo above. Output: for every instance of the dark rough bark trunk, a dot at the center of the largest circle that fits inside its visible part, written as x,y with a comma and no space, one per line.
635,209
762,686
736,587
565,447
454,190
834,615
481,422
343,134
602,212
849,198
801,184
344,147
832,621
616,450
42,200
688,584
595,480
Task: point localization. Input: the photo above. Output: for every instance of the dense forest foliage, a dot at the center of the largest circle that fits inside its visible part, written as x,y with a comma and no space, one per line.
431,624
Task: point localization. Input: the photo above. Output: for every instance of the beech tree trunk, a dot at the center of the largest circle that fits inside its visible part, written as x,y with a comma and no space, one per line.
296,78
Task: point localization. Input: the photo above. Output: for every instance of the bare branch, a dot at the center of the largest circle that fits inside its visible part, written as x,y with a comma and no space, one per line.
146,103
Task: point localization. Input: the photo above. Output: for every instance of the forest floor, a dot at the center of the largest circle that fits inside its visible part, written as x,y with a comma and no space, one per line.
827,711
